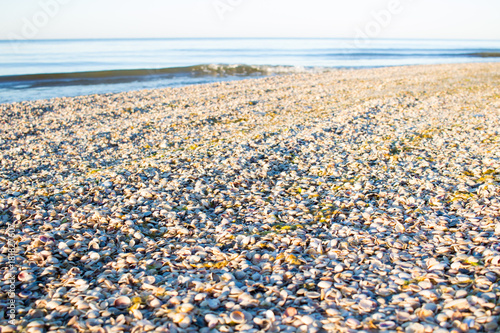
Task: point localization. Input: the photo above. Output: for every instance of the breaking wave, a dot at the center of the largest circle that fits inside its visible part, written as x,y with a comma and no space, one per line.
131,75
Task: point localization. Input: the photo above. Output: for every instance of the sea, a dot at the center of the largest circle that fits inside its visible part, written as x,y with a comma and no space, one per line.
43,69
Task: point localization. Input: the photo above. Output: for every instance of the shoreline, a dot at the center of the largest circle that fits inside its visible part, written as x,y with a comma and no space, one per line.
129,80
328,202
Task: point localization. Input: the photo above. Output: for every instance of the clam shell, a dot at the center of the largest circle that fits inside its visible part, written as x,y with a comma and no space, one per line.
26,277
290,312
122,302
237,317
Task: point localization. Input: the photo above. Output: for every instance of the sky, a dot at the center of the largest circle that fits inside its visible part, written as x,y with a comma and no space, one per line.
414,19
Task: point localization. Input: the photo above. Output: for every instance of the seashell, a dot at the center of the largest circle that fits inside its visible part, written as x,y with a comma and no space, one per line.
94,255
307,320
415,328
9,329
459,304
213,304
402,316
436,267
122,302
461,293
424,313
186,307
425,284
107,183
366,305
62,246
495,261
92,314
312,294
442,318
290,312
237,317
352,323
430,306
429,295
265,324
462,278
387,325
245,241
149,279
26,277
214,277
137,314
226,277
211,317
52,305
185,322
154,302
181,319
132,260
385,292
270,315
36,323
325,284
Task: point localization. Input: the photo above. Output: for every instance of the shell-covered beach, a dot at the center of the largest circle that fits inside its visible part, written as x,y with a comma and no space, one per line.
341,201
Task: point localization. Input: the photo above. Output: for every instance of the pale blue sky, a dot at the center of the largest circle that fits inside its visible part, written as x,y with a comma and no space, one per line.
438,19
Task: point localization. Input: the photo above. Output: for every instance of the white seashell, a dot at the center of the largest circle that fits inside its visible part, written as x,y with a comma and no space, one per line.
62,246
313,294
52,305
415,328
441,318
307,320
154,303
185,322
211,317
459,304
437,267
186,307
425,284
325,284
402,316
270,315
462,278
35,323
352,323
194,259
94,255
367,305
122,302
107,183
245,241
137,314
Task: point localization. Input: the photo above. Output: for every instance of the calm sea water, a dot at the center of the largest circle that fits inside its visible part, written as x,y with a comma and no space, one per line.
31,70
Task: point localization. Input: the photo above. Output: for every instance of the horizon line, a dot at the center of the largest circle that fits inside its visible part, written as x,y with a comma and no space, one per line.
166,38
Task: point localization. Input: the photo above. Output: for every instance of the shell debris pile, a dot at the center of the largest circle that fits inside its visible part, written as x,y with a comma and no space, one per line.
344,201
